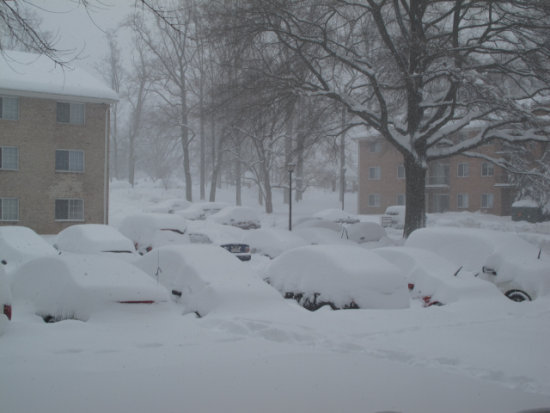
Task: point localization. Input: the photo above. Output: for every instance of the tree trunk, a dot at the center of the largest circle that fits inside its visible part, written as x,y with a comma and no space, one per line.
415,214
238,180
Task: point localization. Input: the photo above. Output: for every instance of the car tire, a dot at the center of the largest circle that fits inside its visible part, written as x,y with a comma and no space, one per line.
517,295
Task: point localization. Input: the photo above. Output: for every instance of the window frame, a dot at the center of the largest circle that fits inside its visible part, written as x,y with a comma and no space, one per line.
486,167
2,208
69,169
2,167
375,147
2,111
376,198
463,170
378,174
398,199
400,167
71,120
69,208
461,197
485,197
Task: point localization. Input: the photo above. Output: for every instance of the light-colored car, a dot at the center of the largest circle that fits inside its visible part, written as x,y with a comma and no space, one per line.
21,244
340,276
519,269
336,215
237,216
202,210
5,301
366,232
95,239
206,279
148,231
74,286
272,242
230,238
322,236
394,217
433,280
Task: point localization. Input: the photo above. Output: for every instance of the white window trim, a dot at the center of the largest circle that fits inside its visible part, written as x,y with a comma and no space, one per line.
69,219
490,167
71,105
465,167
378,174
70,170
2,163
487,196
464,196
400,166
377,200
17,101
2,210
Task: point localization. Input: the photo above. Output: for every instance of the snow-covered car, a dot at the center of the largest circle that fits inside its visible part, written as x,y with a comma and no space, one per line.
336,215
74,286
394,217
5,301
237,216
202,210
272,242
21,244
366,232
95,239
169,206
315,222
342,277
230,238
206,278
322,236
148,231
432,279
519,269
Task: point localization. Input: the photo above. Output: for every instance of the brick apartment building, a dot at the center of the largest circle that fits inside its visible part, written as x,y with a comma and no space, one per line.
459,183
54,135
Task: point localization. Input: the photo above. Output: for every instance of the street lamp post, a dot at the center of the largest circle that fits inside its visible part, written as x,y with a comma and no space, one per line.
290,170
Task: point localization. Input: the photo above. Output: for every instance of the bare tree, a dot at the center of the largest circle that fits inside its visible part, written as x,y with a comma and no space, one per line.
419,73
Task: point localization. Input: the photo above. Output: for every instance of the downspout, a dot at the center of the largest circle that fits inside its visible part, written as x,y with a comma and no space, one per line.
106,168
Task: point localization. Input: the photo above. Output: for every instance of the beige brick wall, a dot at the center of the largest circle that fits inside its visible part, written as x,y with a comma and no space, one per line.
388,186
36,184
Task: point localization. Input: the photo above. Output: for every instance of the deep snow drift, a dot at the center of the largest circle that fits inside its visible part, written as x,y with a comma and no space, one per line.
477,354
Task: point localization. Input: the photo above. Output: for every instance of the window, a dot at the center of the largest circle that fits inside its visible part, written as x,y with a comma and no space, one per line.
463,170
9,209
374,200
375,147
487,169
374,172
9,108
401,171
438,174
69,210
9,158
462,201
70,113
400,200
69,161
487,201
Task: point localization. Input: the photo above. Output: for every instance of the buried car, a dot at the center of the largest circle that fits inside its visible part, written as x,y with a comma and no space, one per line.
229,238
433,280
21,244
73,286
206,278
340,276
272,242
95,239
148,231
201,210
237,216
519,269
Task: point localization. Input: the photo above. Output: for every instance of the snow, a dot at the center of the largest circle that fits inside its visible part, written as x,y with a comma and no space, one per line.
29,74
93,238
336,215
476,354
273,241
19,245
341,275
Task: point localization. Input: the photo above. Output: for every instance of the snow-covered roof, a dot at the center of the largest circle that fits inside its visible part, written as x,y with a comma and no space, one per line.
32,75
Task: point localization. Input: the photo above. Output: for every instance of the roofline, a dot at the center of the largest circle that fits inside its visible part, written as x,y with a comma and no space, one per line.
56,96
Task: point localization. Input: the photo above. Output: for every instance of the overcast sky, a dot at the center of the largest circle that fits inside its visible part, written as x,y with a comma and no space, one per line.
82,30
